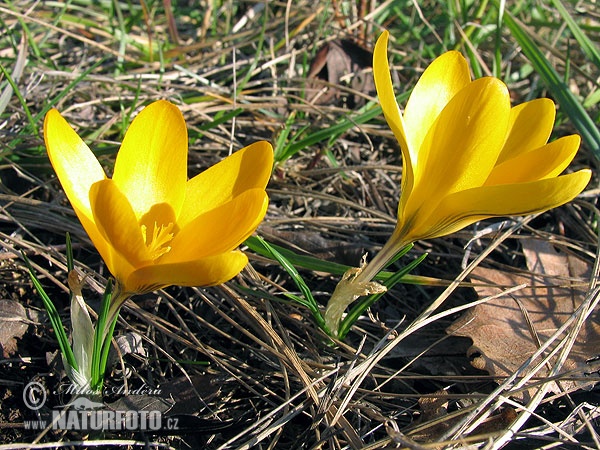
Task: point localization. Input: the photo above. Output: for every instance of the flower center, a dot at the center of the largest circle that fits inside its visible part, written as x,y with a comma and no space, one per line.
157,238
158,227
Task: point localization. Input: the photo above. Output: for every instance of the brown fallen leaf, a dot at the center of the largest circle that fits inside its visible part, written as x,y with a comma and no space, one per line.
505,330
13,325
333,63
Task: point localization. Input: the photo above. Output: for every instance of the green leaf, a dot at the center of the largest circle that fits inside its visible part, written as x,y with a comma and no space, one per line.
59,331
102,337
308,301
318,265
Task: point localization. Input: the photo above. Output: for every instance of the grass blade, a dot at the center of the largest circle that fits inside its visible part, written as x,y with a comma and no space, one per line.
19,66
333,131
586,45
571,105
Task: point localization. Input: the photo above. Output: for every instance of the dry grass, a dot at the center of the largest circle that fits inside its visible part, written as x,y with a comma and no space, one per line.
254,370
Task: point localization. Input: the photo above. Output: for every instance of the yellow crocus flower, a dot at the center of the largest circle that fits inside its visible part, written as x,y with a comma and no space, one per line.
152,226
467,155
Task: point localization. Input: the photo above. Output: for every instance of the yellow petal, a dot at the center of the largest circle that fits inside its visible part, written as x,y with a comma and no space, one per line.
466,207
117,223
77,169
74,163
221,229
248,168
545,162
204,272
385,90
445,77
97,238
151,166
391,111
529,127
462,146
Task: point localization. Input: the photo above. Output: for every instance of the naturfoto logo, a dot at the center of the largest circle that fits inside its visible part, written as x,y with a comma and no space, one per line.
83,413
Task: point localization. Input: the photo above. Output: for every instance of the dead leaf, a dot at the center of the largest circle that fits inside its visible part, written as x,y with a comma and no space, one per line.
131,343
501,329
435,405
433,417
13,325
340,62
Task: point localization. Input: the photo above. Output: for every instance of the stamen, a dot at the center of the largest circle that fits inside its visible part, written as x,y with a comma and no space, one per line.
157,241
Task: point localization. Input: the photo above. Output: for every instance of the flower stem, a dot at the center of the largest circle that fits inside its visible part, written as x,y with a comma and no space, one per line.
357,282
380,261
